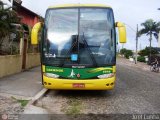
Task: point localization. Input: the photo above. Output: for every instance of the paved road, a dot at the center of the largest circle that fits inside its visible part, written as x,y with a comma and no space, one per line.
137,91
140,90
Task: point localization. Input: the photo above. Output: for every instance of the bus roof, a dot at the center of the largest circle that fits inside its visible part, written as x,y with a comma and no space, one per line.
79,5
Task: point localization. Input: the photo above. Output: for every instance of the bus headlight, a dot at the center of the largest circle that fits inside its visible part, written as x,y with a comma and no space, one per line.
106,76
51,75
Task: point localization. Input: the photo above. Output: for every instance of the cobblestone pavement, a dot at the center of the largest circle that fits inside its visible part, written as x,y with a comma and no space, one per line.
136,92
10,106
17,89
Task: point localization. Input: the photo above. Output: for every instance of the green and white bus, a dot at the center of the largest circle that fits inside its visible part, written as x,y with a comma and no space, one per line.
78,47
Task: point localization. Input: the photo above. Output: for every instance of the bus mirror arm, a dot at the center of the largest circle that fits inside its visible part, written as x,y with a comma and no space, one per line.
35,33
122,32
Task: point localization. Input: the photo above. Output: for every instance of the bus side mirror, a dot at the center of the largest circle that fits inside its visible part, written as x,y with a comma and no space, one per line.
34,34
122,32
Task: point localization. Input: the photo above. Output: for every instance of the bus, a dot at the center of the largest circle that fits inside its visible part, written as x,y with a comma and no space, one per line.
78,47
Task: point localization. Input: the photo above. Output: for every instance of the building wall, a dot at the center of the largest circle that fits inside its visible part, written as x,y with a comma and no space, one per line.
26,17
10,64
33,60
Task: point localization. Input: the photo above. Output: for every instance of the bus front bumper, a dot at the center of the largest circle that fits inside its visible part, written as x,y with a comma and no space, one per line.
71,84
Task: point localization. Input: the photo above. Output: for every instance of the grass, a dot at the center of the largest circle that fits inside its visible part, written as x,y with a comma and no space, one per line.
74,107
22,102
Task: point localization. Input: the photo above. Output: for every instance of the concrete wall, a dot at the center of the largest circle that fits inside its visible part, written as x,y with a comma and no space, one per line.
32,60
10,64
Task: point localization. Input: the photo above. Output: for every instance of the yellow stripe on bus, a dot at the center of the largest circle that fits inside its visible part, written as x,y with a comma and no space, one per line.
79,5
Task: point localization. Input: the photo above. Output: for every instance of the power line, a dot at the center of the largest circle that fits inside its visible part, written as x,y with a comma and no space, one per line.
130,27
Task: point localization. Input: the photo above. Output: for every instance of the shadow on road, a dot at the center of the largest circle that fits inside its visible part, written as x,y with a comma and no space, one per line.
81,93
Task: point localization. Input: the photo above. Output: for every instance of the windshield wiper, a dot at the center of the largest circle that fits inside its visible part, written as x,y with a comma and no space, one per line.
89,50
72,47
86,45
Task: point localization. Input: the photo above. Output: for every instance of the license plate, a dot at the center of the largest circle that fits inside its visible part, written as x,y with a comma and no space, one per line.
78,85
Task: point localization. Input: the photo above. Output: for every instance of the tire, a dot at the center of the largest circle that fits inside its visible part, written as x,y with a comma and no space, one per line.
157,69
151,69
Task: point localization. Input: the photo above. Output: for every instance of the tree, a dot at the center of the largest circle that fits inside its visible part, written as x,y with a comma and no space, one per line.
126,52
7,17
150,28
146,51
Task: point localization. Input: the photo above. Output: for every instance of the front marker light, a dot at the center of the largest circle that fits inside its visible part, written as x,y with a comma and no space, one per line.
106,76
51,75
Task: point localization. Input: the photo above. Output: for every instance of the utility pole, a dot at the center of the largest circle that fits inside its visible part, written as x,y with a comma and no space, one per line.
140,47
136,45
122,45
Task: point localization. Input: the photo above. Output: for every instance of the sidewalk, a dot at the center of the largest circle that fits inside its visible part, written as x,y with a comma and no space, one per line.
25,84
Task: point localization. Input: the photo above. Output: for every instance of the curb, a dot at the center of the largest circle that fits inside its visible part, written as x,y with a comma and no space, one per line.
37,97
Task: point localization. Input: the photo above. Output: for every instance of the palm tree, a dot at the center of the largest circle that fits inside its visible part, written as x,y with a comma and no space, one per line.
150,28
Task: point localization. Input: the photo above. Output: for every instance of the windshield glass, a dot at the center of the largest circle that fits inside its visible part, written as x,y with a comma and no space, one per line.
84,36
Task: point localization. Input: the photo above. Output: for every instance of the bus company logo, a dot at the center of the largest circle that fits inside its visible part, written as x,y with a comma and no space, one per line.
72,74
4,117
78,75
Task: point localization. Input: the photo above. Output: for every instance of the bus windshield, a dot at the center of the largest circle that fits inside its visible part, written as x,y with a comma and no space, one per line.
79,37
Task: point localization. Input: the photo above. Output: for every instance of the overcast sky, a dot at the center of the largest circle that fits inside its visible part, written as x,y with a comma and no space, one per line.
131,12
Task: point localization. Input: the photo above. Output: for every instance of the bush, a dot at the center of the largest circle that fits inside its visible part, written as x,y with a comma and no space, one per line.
146,51
122,51
126,53
141,58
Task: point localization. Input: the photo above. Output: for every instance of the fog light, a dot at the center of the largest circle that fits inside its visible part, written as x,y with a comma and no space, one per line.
107,84
49,83
45,83
112,84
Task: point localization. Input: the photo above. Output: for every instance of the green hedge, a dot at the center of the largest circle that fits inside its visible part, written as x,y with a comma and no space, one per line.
146,51
141,59
126,53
